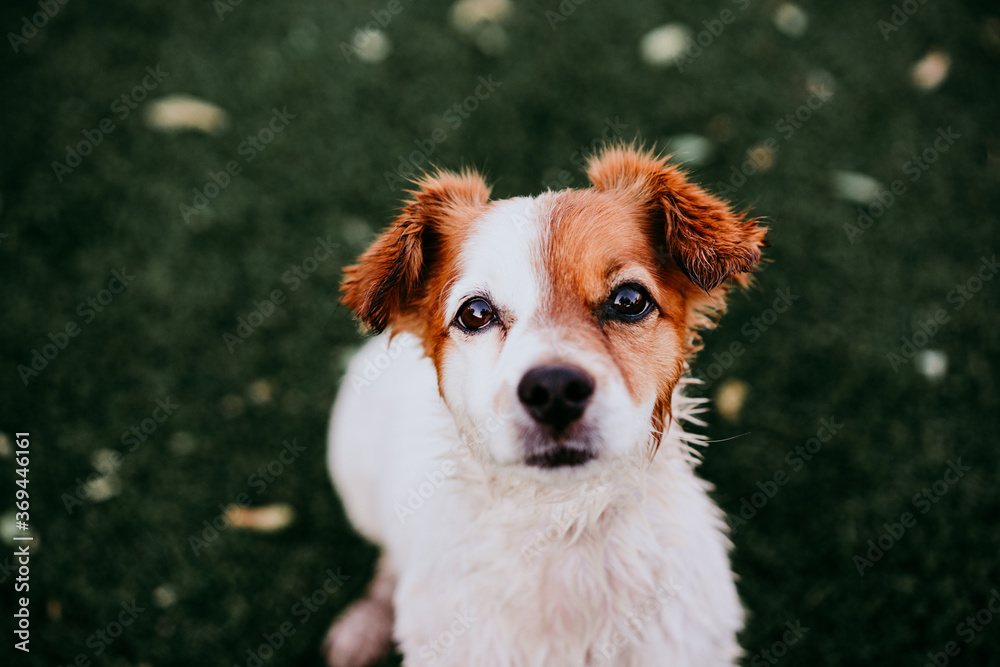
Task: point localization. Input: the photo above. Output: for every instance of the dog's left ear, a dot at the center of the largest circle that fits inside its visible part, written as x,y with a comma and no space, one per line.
386,282
709,242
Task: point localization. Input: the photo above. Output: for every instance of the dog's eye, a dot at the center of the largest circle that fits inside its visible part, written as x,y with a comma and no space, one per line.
475,314
629,303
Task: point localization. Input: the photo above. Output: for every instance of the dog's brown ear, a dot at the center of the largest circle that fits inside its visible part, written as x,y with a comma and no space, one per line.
709,242
386,281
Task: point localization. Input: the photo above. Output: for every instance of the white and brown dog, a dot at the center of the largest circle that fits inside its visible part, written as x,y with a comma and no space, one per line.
518,457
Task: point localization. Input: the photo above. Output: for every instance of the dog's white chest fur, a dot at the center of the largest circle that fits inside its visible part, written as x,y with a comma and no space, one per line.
627,568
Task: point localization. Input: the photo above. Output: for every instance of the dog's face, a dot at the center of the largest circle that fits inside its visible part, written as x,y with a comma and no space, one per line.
560,324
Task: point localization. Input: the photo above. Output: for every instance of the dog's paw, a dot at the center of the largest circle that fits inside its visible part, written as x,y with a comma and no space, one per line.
361,636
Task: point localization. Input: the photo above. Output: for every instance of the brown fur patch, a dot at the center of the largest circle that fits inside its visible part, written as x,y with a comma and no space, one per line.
391,280
645,222
599,241
709,241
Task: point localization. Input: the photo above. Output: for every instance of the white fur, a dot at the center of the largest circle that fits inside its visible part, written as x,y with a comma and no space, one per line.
621,561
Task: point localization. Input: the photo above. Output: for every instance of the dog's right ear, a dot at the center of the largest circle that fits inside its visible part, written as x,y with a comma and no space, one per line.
386,282
709,241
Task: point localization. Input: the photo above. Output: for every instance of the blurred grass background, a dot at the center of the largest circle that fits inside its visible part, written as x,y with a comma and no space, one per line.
324,177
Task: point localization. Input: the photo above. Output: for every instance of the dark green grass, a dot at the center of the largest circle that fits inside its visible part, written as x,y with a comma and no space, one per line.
324,176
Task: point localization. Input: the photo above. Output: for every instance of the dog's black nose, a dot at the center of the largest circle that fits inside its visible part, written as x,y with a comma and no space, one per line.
555,396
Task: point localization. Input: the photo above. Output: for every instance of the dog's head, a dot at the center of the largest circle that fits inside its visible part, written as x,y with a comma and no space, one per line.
559,325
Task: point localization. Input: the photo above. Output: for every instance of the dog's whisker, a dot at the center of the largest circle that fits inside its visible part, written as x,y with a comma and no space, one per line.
733,437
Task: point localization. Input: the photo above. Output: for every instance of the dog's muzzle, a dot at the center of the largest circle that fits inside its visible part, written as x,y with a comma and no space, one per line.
556,397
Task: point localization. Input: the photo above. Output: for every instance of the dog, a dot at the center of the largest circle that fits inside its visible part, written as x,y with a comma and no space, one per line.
511,439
